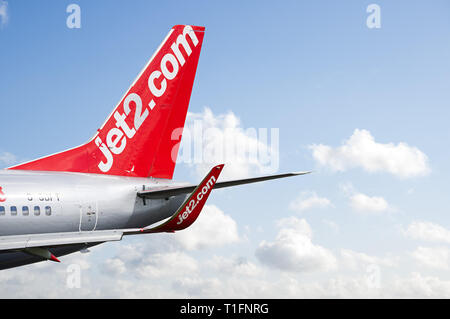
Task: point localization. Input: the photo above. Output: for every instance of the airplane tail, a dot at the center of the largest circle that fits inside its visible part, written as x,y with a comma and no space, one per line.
141,136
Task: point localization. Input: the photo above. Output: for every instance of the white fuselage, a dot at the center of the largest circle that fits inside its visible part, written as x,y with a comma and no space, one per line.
49,202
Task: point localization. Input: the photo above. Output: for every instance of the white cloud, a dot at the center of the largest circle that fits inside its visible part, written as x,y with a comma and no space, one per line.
114,266
293,249
427,231
213,228
413,285
210,139
32,281
309,200
419,286
197,286
238,266
433,257
363,203
361,150
355,260
154,272
166,264
3,12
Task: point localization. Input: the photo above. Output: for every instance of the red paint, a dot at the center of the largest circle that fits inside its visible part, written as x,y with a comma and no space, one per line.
53,258
177,222
2,195
149,151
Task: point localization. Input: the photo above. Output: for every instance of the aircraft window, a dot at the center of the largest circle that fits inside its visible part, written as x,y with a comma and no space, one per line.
25,211
13,210
48,210
37,210
2,210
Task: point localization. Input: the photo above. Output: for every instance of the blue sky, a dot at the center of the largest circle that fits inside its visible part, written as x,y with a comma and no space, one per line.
312,69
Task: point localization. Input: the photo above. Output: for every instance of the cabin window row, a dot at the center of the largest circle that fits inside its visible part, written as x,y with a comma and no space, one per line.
26,210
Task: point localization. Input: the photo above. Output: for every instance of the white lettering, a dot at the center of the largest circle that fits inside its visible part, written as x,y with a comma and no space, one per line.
374,19
73,21
151,84
139,116
173,61
104,167
74,276
181,39
205,189
114,136
120,122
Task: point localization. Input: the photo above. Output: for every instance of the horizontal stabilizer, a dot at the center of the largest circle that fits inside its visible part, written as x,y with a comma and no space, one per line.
164,192
188,212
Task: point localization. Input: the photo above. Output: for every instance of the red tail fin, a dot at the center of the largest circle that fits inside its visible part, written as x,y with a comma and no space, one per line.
136,139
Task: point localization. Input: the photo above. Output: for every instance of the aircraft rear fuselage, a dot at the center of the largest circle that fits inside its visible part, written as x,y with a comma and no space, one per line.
48,202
